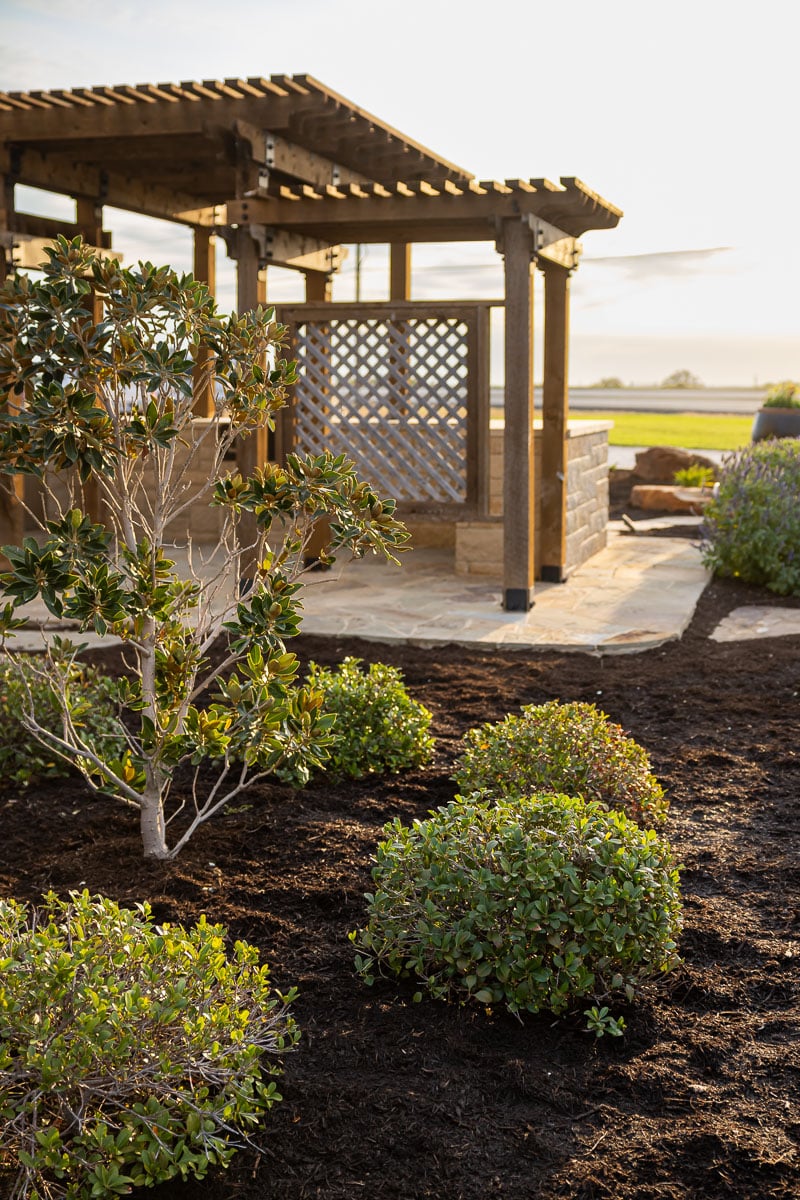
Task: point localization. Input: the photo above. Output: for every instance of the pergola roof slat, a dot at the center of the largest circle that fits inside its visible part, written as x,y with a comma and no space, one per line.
267,87
92,96
218,88
137,94
115,94
66,100
156,92
26,100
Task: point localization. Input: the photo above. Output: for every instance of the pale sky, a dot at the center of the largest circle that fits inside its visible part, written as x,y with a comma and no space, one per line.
684,114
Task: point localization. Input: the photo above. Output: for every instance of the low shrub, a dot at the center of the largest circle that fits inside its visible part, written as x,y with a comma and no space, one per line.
129,1054
571,748
24,688
694,476
378,729
751,529
534,904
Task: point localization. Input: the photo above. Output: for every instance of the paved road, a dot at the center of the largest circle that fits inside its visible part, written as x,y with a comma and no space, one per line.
738,401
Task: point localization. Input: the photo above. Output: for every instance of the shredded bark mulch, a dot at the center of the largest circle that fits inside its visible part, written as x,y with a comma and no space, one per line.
387,1098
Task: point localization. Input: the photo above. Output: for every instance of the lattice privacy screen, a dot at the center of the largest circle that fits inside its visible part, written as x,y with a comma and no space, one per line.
392,395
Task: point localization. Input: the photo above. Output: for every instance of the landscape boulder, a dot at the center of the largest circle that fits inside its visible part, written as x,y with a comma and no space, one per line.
658,464
665,498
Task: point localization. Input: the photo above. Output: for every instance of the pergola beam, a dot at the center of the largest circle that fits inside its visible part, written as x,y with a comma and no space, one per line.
381,218
61,173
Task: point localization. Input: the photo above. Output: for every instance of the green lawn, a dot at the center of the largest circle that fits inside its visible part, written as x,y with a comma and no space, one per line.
694,431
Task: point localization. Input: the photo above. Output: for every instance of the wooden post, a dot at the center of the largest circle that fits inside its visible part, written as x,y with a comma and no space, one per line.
89,215
400,271
319,287
12,487
205,271
518,481
251,451
555,401
319,290
6,222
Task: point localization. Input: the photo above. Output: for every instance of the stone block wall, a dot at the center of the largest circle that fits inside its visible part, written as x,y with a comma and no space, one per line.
479,544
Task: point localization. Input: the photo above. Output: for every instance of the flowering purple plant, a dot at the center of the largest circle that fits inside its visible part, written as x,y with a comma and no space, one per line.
752,527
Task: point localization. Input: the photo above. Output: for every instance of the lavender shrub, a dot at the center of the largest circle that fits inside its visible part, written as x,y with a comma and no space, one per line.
752,527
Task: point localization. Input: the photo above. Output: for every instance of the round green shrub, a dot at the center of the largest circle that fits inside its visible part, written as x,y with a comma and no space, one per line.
93,704
751,529
570,748
534,904
129,1053
379,728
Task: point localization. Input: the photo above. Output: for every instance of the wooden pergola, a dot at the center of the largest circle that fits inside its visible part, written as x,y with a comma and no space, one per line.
287,172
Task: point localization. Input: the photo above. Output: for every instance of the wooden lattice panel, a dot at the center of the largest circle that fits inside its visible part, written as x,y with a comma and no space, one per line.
392,394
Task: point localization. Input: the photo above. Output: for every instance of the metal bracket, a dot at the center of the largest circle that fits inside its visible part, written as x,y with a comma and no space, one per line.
269,150
261,190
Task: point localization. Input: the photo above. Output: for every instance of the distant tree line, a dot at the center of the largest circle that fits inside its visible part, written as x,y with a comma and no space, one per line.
678,379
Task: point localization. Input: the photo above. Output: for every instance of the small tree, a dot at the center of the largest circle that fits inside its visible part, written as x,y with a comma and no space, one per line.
108,408
609,381
681,379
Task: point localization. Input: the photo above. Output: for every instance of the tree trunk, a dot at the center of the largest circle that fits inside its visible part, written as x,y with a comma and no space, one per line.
154,841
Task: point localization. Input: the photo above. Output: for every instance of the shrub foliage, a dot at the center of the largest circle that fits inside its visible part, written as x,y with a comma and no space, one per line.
752,526
571,748
532,904
129,1054
24,688
379,728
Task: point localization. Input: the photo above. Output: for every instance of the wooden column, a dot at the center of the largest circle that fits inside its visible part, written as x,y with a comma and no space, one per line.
319,287
400,271
518,470
319,290
205,271
6,221
12,487
555,402
89,215
251,451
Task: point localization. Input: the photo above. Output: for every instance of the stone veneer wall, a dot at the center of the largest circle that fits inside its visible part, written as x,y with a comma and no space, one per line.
479,544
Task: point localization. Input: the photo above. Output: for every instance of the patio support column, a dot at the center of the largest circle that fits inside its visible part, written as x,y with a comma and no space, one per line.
400,271
319,287
12,487
555,404
251,451
319,290
205,271
89,216
518,445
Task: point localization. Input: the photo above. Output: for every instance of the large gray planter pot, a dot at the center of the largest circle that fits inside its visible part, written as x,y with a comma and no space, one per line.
776,423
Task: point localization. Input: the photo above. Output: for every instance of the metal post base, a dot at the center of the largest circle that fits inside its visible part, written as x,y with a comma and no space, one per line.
555,574
518,599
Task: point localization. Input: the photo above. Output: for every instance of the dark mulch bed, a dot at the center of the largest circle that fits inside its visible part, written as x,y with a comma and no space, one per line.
386,1098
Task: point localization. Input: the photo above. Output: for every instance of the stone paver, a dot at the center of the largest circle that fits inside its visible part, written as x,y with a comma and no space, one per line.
635,594
757,621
